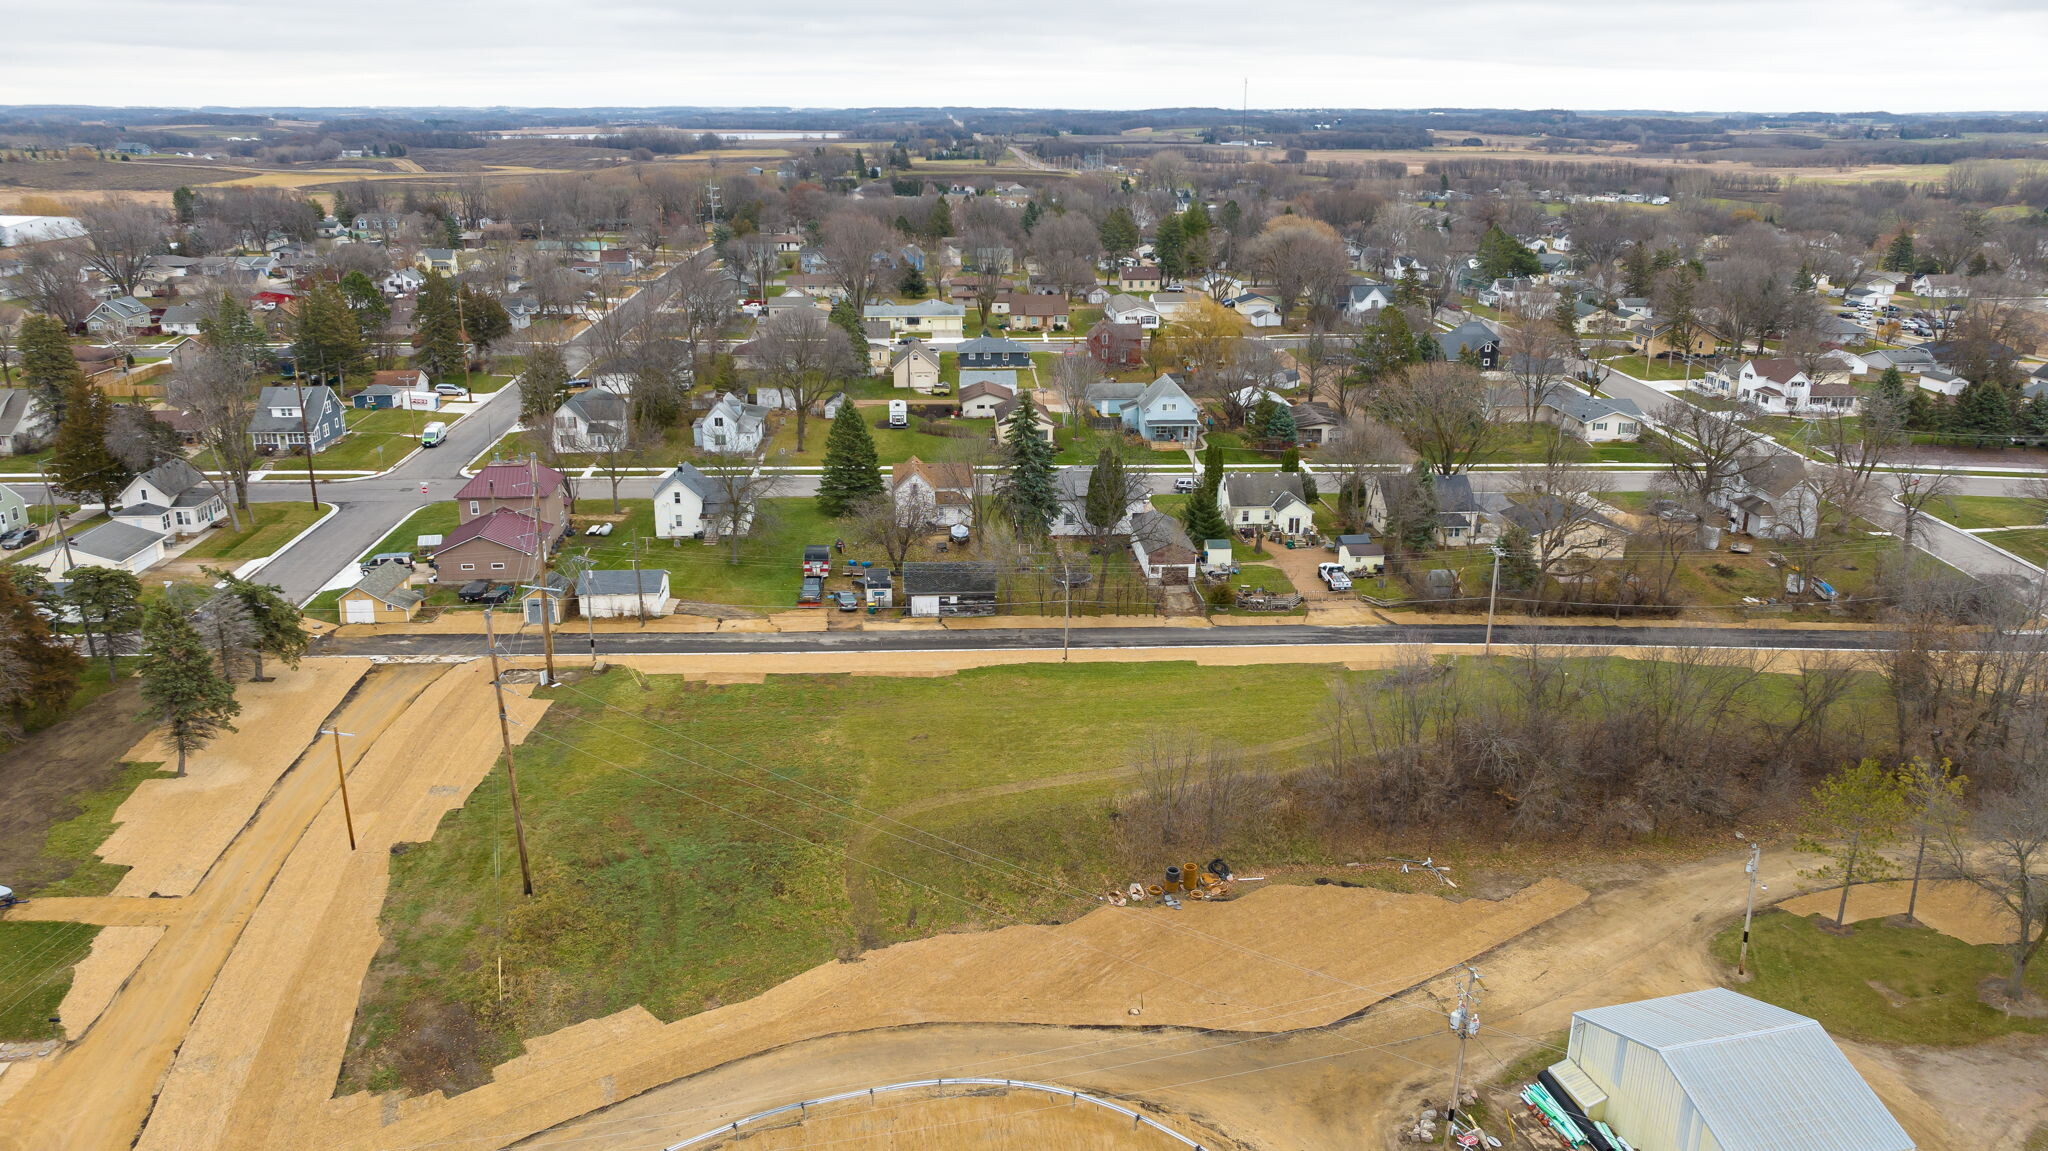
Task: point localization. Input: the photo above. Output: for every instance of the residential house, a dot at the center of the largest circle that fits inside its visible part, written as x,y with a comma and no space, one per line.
1909,361
1940,381
1163,413
1044,423
1108,397
786,243
1127,309
402,282
1941,287
1361,554
383,595
1117,345
945,489
499,544
1316,423
1594,419
622,593
1139,278
934,318
1038,312
1070,486
1465,517
617,262
1576,536
518,485
985,352
13,510
1662,341
1770,497
1162,548
284,420
1476,336
111,545
690,505
119,318
24,425
950,589
914,365
731,426
592,420
171,498
181,319
1363,299
400,390
446,261
1261,315
980,400
1171,305
1775,385
1272,501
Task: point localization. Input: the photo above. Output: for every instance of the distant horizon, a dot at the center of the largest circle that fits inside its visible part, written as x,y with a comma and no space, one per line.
741,110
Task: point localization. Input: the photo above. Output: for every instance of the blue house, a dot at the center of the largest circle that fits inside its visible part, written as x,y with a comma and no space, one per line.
1163,412
993,352
281,424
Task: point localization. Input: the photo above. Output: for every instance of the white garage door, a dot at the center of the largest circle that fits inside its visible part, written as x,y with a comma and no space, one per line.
358,611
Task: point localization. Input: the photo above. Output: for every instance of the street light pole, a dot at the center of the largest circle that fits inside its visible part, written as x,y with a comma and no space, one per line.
1491,598
1756,853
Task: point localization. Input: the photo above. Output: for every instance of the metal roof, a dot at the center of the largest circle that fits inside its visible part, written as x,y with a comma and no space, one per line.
1762,1078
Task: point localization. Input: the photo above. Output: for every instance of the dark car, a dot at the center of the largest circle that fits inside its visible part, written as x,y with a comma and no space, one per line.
473,591
847,601
813,591
20,538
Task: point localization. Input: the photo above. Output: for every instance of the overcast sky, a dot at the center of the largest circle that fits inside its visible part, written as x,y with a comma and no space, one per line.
1722,55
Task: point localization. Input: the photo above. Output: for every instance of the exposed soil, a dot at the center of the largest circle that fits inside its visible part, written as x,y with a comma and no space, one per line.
43,775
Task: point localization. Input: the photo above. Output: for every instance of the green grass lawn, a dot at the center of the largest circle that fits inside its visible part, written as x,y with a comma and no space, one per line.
1928,992
892,445
2030,544
73,844
38,958
44,513
1084,446
1236,449
377,439
1991,511
721,839
273,525
27,463
767,576
1523,442
435,519
1660,370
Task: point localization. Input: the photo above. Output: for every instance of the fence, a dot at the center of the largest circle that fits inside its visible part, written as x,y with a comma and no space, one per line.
1137,1119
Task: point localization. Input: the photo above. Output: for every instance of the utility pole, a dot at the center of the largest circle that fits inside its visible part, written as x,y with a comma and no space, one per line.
1067,627
312,479
511,771
342,778
1491,598
540,560
1756,854
57,521
639,594
1464,1024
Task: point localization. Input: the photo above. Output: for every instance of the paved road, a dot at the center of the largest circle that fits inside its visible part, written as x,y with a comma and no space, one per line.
1040,639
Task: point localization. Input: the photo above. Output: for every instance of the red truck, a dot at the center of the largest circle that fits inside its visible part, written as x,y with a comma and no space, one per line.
817,561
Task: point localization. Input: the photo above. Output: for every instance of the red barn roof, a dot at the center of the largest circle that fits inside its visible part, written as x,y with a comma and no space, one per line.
511,481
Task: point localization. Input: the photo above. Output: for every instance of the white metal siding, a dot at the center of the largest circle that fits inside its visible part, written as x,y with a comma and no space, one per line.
1649,1108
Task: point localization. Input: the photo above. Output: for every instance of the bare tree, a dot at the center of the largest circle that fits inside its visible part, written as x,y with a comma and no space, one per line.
50,282
1567,528
2007,859
895,523
1303,258
1324,356
120,237
217,390
851,240
740,488
1072,375
1535,354
1440,410
10,336
1918,491
1191,796
806,355
702,300
1704,451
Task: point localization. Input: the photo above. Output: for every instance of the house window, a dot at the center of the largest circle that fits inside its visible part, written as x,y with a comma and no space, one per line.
498,567
676,497
469,567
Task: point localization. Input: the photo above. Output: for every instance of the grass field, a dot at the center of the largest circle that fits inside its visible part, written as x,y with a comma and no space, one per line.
1660,370
1991,511
1529,443
767,576
1881,983
38,958
2030,544
273,526
27,463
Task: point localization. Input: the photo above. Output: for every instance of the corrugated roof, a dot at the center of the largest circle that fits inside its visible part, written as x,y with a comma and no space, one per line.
1762,1078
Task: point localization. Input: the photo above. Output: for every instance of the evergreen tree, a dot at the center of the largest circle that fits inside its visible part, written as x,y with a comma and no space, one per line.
1194,228
848,321
912,283
1119,233
184,205
48,369
179,679
1408,291
437,342
109,605
852,472
2034,417
1202,517
1212,467
278,622
1109,491
1891,386
1029,497
1280,425
543,386
1501,256
230,330
485,322
81,464
1032,214
1309,491
938,224
1984,408
1804,283
1385,345
1290,460
49,669
1923,412
327,341
1898,255
1518,559
1169,249
372,311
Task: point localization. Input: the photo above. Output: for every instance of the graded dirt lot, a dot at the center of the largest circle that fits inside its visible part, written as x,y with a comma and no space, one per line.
944,1119
79,754
1951,907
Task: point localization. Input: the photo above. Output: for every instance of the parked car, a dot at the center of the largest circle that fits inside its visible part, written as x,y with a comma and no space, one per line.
1335,576
813,591
484,591
1184,483
451,390
20,538
817,560
847,601
382,558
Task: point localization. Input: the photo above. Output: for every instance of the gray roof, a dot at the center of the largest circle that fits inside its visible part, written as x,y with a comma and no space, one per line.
1582,407
127,307
1159,531
1470,334
688,476
15,406
1115,391
1162,388
1261,489
991,345
183,314
1000,377
383,582
1761,1078
115,541
921,308
598,406
175,478
619,581
317,399
1124,302
956,578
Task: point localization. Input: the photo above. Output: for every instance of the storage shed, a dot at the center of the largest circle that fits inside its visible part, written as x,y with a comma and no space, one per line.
960,588
1716,1071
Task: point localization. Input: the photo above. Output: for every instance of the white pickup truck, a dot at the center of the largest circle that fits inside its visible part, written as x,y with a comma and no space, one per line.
1335,576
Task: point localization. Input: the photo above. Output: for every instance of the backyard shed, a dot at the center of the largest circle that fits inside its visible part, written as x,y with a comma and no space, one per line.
384,595
958,588
610,593
1714,1070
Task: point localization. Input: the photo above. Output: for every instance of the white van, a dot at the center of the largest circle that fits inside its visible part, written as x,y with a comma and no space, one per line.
432,435
899,414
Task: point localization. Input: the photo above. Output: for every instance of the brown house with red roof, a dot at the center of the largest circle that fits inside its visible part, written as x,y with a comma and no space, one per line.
513,485
501,544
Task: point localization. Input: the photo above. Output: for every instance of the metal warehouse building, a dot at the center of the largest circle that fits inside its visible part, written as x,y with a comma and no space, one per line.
1717,1071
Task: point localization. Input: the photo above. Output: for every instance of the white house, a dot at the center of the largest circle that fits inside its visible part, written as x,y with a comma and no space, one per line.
731,426
1271,500
980,399
403,281
1594,419
1361,554
120,316
111,545
593,420
1162,548
1941,287
13,510
946,489
181,319
1070,484
1124,308
1361,300
1260,315
924,318
1941,381
914,365
1770,497
687,505
171,498
24,425
622,593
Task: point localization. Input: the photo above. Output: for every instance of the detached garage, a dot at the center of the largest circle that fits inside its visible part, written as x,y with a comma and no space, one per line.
384,595
1717,1071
